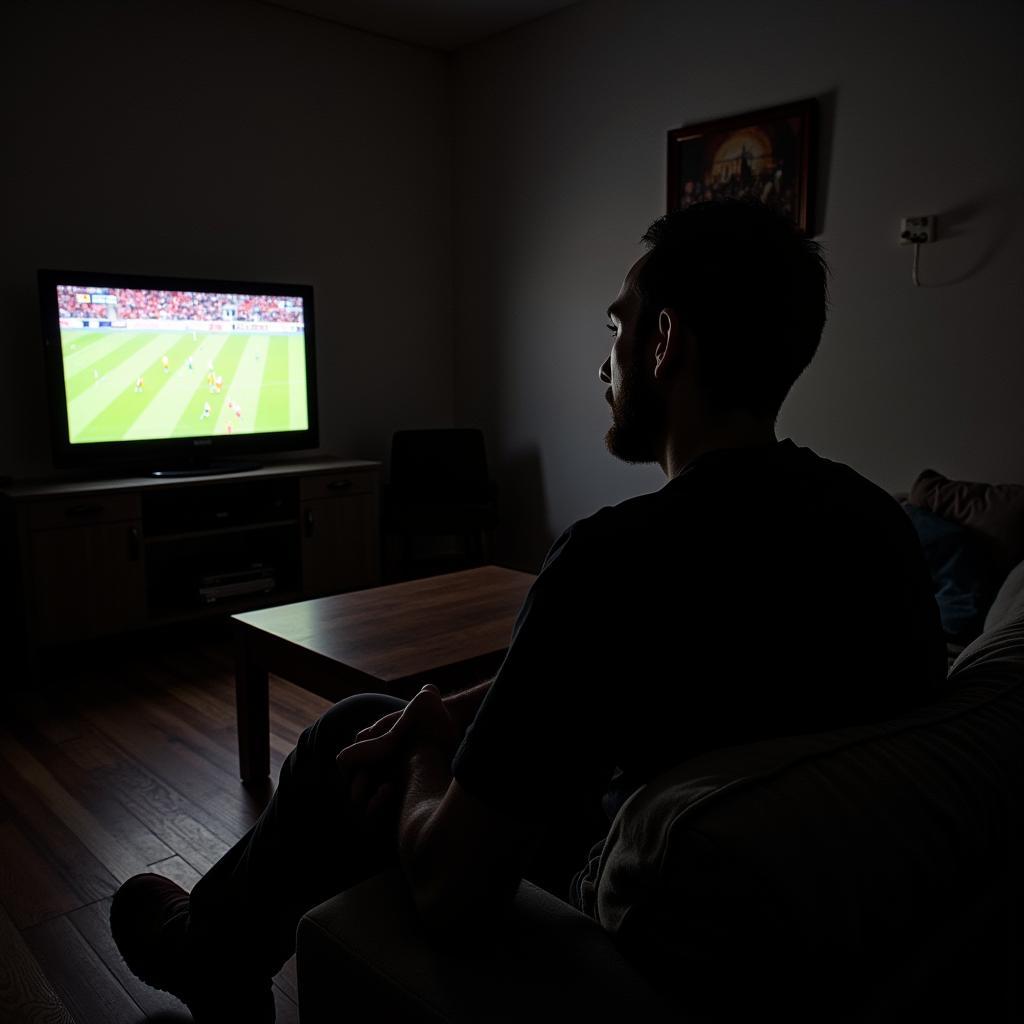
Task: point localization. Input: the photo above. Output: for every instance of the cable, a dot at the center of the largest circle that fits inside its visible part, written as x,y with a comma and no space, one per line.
913,272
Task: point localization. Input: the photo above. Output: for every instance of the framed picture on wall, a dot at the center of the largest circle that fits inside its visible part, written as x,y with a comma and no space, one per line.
768,155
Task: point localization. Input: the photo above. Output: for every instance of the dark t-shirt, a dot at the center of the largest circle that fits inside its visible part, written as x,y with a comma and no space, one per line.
761,592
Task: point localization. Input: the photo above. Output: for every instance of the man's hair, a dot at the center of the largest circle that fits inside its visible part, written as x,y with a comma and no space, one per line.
751,287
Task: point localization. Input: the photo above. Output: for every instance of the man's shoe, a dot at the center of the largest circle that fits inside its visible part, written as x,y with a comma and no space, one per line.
149,921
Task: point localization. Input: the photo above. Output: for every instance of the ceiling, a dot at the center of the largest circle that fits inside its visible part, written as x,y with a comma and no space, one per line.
440,24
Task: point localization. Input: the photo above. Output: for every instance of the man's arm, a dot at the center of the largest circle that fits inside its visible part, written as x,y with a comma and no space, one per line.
462,859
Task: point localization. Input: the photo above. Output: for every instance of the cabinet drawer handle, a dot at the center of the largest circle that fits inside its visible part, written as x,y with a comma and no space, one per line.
309,522
133,544
339,485
83,511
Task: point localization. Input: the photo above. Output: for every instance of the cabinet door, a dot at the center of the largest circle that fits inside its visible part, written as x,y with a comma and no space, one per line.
339,545
119,582
86,581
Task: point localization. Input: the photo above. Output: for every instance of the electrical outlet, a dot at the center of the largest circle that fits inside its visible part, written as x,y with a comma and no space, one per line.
917,230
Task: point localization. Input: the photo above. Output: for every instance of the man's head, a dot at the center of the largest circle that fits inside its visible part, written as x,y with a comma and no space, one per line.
730,294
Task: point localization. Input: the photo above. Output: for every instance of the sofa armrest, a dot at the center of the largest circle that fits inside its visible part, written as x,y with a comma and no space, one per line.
362,956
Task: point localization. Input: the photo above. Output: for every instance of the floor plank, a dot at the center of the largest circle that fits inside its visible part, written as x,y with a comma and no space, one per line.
216,800
52,717
108,768
124,852
87,988
177,870
93,923
162,810
44,869
31,889
26,995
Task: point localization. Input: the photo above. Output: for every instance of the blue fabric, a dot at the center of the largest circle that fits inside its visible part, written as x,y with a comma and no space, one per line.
959,569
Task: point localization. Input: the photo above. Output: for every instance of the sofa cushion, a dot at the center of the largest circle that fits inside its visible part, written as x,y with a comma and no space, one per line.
994,511
805,864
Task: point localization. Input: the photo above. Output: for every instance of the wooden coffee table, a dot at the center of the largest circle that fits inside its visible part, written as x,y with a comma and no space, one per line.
451,630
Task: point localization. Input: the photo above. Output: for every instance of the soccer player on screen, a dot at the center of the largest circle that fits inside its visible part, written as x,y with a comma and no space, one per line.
139,384
166,363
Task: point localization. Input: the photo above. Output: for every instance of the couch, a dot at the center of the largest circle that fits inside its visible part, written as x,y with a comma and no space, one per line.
865,874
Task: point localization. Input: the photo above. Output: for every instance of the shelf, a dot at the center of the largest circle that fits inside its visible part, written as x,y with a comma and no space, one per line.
164,538
95,559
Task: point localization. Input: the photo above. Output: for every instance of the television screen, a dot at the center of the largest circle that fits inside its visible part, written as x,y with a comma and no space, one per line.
164,360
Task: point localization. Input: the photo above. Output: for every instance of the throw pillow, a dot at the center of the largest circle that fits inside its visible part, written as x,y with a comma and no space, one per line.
995,512
960,571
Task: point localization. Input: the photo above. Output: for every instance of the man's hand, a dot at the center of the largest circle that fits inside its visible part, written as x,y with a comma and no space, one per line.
382,751
424,721
381,726
461,707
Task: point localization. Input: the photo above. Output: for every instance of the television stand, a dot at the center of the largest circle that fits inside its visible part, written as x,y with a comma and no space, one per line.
206,469
96,558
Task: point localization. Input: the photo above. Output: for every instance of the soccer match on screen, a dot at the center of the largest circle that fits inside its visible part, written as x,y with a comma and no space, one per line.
143,363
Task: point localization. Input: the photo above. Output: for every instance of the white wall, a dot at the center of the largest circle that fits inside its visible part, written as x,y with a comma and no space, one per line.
560,166
233,140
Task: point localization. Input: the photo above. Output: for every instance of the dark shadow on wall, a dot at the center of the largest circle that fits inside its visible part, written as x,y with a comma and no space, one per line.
524,533
25,445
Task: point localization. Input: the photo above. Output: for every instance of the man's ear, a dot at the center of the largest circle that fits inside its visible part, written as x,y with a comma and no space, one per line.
671,343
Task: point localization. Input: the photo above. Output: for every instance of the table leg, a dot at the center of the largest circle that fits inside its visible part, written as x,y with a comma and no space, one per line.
252,699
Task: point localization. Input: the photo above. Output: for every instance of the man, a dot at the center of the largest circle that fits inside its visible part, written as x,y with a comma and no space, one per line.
734,603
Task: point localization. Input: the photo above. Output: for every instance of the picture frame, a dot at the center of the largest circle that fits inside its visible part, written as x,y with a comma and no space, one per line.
768,155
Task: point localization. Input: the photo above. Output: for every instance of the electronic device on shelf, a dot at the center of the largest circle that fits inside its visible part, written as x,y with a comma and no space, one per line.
176,375
257,579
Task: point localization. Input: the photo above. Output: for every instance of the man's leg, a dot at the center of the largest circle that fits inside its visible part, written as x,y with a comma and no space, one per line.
307,845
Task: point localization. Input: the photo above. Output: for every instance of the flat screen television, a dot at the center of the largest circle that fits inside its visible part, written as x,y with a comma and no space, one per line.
177,375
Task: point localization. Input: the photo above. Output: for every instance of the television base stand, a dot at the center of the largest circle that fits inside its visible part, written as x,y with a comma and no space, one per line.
86,559
206,469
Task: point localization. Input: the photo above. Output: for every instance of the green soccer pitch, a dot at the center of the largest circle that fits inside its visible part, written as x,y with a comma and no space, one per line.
211,384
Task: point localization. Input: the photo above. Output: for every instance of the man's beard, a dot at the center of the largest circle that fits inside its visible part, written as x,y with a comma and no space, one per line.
638,421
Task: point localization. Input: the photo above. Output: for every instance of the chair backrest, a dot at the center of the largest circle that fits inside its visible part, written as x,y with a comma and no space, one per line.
448,463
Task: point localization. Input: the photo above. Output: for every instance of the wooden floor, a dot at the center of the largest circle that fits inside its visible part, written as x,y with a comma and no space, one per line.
121,763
